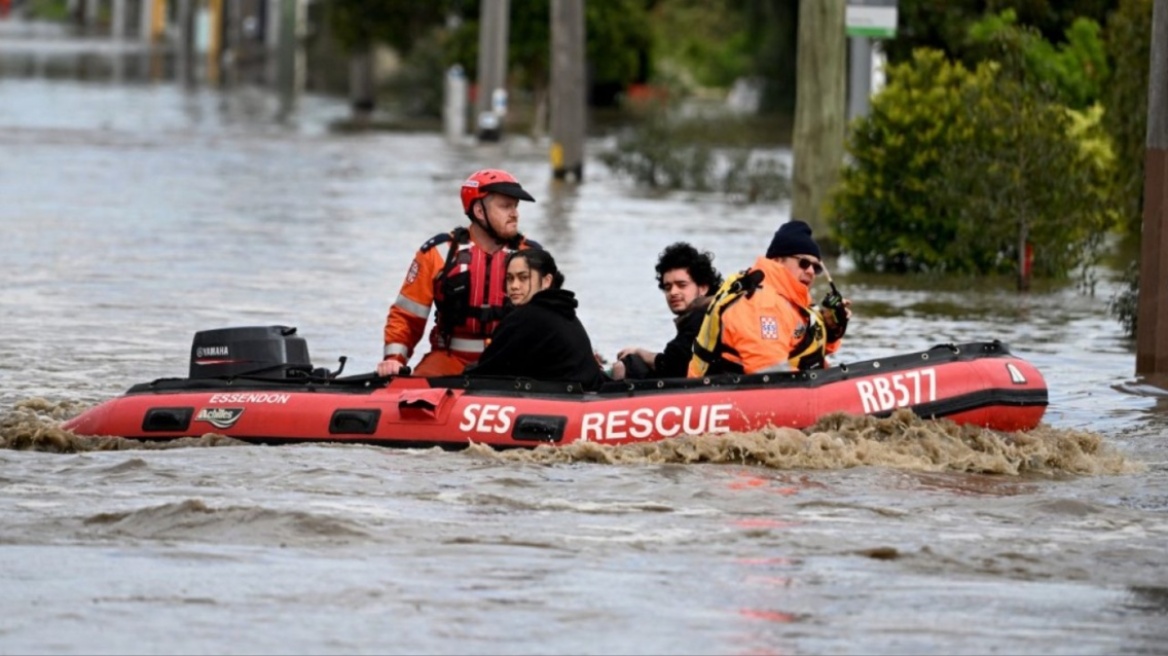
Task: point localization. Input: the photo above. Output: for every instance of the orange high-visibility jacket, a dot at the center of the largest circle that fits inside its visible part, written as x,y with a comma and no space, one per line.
482,299
762,332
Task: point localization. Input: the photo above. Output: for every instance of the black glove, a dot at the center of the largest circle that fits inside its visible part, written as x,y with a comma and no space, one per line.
835,316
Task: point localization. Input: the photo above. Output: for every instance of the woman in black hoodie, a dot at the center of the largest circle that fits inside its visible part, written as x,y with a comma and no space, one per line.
541,338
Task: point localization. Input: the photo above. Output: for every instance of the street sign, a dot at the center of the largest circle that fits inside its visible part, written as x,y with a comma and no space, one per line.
871,18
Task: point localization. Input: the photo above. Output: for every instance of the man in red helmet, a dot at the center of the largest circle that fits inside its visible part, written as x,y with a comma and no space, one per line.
465,281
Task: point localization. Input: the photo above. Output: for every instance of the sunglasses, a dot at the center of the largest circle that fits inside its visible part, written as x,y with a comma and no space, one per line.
815,267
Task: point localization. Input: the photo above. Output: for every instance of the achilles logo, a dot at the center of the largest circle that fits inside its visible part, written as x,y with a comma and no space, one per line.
1016,376
220,417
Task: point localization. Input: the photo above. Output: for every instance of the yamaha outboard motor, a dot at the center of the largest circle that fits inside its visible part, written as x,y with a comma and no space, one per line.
262,351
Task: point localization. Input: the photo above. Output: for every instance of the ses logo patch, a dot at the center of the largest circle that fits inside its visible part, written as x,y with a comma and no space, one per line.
770,328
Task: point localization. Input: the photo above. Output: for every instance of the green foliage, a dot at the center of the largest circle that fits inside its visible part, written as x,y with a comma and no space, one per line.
704,38
1126,98
616,34
417,88
945,26
924,24
358,24
50,10
956,171
1125,305
1072,72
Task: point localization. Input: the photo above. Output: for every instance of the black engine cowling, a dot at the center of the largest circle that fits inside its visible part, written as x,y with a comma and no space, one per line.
264,351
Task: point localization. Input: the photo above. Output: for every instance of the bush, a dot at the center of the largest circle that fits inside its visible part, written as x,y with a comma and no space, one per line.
49,10
1124,306
958,171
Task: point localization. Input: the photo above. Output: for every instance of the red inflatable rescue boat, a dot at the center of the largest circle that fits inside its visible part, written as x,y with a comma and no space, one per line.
257,384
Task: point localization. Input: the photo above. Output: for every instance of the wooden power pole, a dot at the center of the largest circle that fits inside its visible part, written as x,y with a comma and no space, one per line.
1152,318
491,101
569,99
820,98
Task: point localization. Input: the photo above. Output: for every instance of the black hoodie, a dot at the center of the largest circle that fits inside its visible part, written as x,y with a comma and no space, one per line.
543,340
674,360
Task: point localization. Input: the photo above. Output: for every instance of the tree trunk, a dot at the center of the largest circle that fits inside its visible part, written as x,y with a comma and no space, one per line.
820,104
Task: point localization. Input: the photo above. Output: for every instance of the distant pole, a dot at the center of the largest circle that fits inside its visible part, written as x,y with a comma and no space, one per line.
859,76
286,52
186,42
818,134
494,24
118,20
89,19
568,101
1152,318
146,20
272,15
454,104
232,22
214,39
362,95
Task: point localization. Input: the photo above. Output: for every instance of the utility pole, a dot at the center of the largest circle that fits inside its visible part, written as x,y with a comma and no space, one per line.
491,101
186,42
214,42
232,18
568,101
118,20
818,135
145,21
89,17
288,56
1152,318
859,76
362,95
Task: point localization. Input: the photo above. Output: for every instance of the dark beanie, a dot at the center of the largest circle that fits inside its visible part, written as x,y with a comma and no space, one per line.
792,238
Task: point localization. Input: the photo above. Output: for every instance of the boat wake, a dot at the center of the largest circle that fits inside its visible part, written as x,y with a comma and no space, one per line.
838,441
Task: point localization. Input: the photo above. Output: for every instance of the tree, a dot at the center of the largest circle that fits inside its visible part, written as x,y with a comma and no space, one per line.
1071,72
359,24
1129,44
958,171
945,25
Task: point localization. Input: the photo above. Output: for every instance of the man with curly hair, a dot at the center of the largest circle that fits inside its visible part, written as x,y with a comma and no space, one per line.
687,278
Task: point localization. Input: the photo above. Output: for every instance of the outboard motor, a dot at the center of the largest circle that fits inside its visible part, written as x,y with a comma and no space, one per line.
263,351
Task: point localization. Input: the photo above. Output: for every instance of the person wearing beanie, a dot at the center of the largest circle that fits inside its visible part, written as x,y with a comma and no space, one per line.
766,319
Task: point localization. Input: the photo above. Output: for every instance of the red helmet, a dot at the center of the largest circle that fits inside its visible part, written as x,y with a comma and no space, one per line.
491,181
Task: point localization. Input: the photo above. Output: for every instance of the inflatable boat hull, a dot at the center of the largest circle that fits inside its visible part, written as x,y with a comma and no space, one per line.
981,384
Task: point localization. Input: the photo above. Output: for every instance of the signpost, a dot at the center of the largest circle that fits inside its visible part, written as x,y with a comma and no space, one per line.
865,20
874,19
